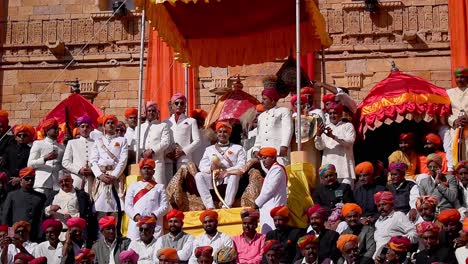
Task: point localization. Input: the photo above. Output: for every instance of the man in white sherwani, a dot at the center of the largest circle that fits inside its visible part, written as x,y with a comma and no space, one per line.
274,190
185,136
154,140
459,102
337,140
46,158
274,128
146,198
109,158
77,156
223,158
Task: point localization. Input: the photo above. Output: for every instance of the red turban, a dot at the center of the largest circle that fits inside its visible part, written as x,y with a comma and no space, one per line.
100,120
109,117
465,225
328,98
85,254
147,162
199,114
129,255
4,117
449,215
249,212
426,199
407,137
56,224
205,251
169,253
350,207
399,244
39,260
146,220
294,99
226,125
130,111
434,139
343,239
267,152
274,245
27,129
421,228
282,211
175,213
76,222
24,257
24,224
211,213
383,196
259,108
178,96
28,171
4,228
271,93
336,106
306,240
107,221
322,212
3,177
307,90
49,123
364,168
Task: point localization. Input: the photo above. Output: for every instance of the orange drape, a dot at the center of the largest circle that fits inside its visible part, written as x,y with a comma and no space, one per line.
165,76
458,21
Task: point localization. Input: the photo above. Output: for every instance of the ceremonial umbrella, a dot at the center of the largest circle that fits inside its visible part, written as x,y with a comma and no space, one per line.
400,97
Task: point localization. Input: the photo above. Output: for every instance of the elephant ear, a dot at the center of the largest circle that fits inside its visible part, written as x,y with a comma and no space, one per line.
286,82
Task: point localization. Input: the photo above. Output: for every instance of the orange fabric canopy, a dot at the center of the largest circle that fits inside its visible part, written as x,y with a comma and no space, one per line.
235,32
458,21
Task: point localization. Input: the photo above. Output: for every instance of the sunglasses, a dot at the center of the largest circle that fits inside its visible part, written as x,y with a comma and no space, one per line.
177,103
349,251
28,178
145,229
22,135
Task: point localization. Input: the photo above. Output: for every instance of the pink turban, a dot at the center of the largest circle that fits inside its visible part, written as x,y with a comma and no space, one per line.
322,212
130,255
76,222
383,196
178,96
271,93
151,103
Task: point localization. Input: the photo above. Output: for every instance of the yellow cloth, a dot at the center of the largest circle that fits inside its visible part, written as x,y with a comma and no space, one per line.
301,178
411,162
229,222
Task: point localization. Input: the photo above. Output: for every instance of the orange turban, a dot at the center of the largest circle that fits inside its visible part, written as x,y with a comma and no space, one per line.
328,98
199,114
434,139
421,228
259,108
426,199
282,211
407,137
100,120
28,171
399,244
169,253
211,213
27,129
449,215
267,152
205,251
465,225
226,125
3,116
175,213
294,99
109,117
85,254
383,196
49,123
76,222
147,162
249,212
146,220
75,131
274,245
306,240
24,224
107,221
130,111
364,168
343,239
350,207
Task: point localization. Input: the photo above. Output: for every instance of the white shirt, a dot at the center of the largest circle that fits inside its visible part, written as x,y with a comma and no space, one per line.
153,202
77,155
235,153
146,252
339,151
46,171
185,133
461,254
395,224
155,136
130,136
12,250
274,128
217,241
53,255
68,203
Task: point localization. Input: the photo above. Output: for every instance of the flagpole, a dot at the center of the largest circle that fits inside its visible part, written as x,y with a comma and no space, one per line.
298,74
140,79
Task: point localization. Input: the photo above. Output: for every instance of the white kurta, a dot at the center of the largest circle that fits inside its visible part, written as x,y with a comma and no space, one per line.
145,252
46,171
68,203
156,137
153,202
339,151
77,155
204,143
458,101
185,133
53,255
274,193
102,193
275,130
219,240
236,154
